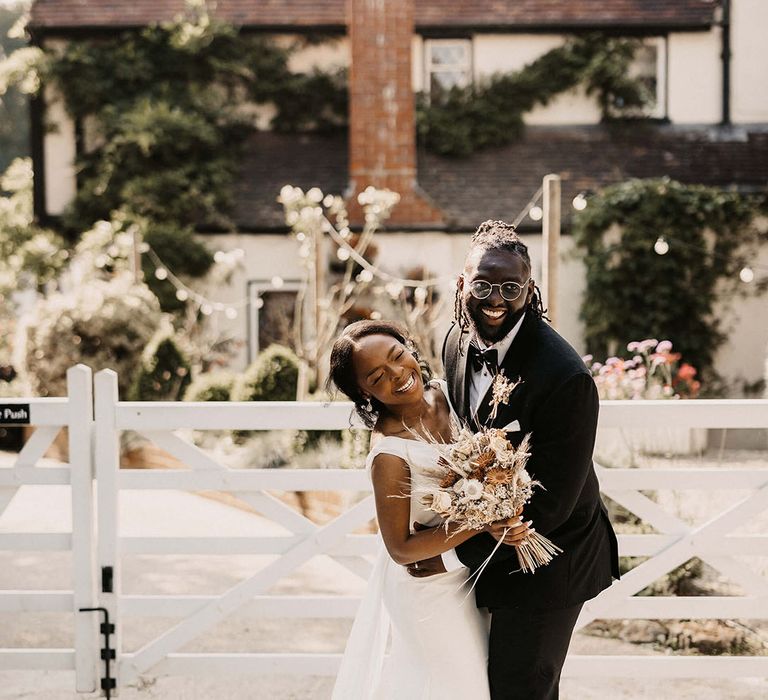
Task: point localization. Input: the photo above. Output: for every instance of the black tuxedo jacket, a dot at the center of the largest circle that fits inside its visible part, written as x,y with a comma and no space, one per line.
557,403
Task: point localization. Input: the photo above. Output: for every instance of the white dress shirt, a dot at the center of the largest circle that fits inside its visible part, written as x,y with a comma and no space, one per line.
479,383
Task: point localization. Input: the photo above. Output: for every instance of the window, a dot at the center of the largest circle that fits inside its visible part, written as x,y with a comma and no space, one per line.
447,63
650,67
271,313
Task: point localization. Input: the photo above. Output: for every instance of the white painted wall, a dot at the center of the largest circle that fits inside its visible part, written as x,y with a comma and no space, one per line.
329,55
749,63
695,78
58,154
745,321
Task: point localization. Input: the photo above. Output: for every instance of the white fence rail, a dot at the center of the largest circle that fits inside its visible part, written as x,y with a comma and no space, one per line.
49,416
673,543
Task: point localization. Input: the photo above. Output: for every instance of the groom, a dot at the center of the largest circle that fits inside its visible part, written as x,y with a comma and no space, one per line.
499,326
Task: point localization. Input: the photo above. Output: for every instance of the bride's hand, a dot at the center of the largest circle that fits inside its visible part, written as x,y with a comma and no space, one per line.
516,530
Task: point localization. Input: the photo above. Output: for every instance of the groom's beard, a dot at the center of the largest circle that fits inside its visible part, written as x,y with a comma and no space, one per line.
497,333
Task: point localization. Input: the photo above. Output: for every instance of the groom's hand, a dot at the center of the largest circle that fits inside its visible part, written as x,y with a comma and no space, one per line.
511,531
425,567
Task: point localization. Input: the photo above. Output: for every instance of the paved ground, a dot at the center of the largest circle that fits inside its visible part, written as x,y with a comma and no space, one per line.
46,509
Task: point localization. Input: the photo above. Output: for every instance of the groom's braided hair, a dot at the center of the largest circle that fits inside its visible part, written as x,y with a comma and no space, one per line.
497,235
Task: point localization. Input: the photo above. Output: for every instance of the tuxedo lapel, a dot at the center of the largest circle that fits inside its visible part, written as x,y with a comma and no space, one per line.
456,370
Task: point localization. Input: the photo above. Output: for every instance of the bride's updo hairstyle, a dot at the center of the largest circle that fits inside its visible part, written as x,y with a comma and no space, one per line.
342,375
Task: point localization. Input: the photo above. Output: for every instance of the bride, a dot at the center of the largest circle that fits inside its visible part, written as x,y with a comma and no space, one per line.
439,637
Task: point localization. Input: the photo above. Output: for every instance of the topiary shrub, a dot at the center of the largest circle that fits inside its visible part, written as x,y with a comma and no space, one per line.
165,372
213,386
103,324
274,376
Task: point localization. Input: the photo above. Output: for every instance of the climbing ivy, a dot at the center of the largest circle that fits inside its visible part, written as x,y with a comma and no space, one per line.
633,292
460,121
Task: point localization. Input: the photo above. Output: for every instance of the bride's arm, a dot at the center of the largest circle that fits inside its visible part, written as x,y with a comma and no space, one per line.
391,487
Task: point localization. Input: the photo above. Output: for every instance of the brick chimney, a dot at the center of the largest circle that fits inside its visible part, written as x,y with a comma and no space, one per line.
382,133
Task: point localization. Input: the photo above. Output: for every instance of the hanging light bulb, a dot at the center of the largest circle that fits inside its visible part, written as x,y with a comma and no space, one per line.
277,282
365,276
161,273
747,274
206,309
182,294
579,202
342,254
661,246
536,213
231,313
258,303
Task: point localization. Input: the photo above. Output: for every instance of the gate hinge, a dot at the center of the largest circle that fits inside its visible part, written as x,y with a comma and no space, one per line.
107,653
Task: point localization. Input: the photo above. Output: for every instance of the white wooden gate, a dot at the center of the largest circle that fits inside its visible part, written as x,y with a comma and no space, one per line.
157,422
673,543
49,416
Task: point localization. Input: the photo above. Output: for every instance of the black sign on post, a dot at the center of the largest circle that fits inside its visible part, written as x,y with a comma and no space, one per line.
14,414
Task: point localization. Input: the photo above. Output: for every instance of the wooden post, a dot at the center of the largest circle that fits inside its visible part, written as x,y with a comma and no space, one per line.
138,241
319,295
80,427
106,445
550,245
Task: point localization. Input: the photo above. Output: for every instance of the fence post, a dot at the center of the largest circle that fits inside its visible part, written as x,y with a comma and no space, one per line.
107,457
80,428
550,246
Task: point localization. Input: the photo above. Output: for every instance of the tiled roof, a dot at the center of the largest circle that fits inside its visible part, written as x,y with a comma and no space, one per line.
498,182
63,14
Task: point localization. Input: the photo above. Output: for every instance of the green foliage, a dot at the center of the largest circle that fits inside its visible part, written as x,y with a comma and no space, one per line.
274,376
179,248
103,324
28,254
212,386
165,372
164,101
461,121
632,292
14,107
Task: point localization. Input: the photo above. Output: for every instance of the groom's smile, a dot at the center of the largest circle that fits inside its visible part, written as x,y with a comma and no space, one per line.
493,316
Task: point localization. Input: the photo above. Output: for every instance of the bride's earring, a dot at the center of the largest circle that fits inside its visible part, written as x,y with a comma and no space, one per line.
368,405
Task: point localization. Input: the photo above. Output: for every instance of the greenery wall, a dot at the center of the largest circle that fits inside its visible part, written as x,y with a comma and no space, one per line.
14,108
633,292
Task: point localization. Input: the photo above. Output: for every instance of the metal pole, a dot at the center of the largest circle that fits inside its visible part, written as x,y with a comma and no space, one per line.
550,245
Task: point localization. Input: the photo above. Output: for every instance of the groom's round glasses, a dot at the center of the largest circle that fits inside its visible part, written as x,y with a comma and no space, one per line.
480,289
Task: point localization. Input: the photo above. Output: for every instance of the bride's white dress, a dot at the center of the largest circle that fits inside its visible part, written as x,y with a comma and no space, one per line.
439,646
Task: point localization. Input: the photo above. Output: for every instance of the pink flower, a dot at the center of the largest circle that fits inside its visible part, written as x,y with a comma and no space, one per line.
664,346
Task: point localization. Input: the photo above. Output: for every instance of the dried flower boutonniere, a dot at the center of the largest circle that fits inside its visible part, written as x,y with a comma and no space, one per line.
501,390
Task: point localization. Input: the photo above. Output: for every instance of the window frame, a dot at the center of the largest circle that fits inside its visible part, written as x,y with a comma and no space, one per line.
661,43
255,288
430,68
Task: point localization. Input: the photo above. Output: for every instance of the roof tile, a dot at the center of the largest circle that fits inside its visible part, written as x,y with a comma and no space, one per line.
63,14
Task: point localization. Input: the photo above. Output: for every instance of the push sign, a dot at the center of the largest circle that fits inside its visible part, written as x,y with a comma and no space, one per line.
14,414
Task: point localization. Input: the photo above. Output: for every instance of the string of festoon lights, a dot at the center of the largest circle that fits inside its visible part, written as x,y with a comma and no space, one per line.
746,274
344,252
370,271
185,293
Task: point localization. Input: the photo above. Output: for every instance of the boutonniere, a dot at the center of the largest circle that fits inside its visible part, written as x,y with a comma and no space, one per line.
501,390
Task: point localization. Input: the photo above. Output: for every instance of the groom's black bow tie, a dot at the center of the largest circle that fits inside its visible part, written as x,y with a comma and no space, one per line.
480,358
